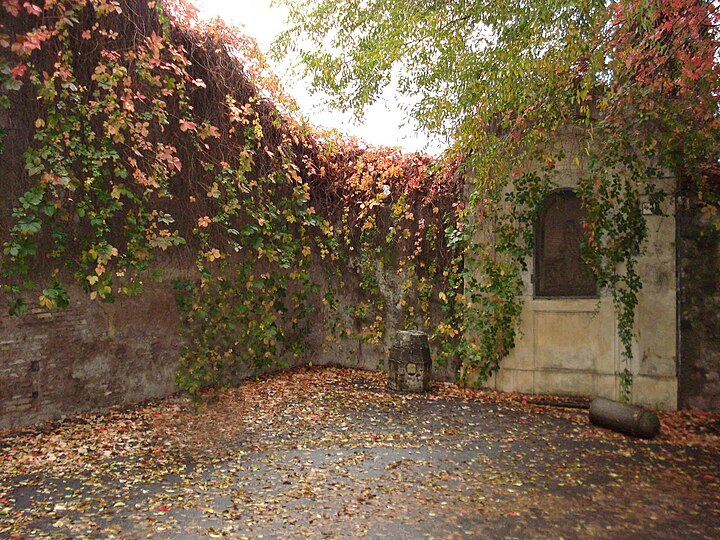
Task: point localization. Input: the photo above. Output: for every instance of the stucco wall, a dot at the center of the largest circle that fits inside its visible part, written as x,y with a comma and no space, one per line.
571,347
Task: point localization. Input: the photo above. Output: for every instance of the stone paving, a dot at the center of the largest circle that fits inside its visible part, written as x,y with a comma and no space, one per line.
332,454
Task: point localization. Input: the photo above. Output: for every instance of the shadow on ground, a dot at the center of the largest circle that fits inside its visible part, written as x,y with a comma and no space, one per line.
330,454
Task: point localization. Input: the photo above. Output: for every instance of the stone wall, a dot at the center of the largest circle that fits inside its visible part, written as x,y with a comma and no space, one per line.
89,356
93,355
570,346
699,368
358,354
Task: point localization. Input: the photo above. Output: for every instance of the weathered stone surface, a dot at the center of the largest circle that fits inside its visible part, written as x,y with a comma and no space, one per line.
628,419
409,363
699,368
570,345
89,356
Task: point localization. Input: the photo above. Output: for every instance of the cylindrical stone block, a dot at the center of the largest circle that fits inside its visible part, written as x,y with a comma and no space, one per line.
628,419
409,362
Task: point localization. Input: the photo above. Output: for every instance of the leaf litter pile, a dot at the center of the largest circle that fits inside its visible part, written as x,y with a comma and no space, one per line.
329,453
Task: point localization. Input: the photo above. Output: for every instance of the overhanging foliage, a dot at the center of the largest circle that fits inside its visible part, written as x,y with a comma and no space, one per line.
149,132
639,78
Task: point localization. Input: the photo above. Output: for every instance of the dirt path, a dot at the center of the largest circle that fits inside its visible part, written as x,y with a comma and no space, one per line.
330,454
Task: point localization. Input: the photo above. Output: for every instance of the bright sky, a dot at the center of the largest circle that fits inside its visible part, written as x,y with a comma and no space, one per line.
384,122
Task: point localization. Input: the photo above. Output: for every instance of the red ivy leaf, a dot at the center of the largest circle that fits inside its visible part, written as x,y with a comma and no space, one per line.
32,9
185,126
19,70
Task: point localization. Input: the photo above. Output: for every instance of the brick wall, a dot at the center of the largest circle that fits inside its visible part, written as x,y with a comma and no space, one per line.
91,355
87,357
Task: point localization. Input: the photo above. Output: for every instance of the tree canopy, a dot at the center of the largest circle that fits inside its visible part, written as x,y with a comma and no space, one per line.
520,68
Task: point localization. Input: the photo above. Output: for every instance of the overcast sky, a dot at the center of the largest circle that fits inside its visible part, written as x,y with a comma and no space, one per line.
384,122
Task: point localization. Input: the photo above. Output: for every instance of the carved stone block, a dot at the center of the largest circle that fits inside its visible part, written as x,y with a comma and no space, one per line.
409,362
559,268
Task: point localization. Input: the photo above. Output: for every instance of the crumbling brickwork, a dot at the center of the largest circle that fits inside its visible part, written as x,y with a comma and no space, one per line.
88,356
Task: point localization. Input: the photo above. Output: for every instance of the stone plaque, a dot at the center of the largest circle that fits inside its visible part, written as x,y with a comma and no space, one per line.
559,270
409,363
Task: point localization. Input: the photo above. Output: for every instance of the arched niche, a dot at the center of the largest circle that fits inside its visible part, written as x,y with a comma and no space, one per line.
559,269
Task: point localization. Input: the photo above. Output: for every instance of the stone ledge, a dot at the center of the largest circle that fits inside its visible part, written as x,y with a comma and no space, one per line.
648,391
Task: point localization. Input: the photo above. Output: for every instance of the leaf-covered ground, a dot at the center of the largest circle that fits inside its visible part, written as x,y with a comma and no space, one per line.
328,453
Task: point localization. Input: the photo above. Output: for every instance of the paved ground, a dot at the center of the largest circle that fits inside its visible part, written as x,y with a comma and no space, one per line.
331,454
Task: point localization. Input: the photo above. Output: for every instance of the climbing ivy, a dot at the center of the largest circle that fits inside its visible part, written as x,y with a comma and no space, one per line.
636,79
154,131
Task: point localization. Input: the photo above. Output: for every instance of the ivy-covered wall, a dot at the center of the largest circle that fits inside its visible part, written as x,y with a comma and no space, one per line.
144,144
138,139
92,355
570,345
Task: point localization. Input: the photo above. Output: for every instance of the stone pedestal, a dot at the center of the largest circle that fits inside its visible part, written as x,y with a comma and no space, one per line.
409,363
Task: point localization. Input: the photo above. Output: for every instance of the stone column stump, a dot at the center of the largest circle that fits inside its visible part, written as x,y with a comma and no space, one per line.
623,418
409,363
